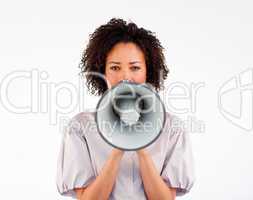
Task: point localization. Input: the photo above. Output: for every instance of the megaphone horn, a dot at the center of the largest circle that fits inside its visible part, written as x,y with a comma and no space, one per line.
130,116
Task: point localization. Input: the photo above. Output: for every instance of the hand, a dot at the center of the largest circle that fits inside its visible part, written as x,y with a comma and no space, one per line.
141,152
117,152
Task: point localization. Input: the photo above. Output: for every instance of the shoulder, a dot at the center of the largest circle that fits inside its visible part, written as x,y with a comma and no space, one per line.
82,118
173,121
174,126
79,122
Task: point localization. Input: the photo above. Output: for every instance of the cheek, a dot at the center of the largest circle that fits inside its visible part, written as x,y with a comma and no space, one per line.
141,77
112,78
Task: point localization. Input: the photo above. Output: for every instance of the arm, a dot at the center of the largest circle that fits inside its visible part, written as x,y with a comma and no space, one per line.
101,187
154,185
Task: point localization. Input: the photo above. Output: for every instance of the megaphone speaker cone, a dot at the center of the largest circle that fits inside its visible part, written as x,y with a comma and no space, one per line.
130,116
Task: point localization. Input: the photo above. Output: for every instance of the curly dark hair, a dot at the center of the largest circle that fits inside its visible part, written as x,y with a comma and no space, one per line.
105,37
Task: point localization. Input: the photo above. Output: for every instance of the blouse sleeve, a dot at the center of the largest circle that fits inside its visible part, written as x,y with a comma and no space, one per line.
178,169
74,167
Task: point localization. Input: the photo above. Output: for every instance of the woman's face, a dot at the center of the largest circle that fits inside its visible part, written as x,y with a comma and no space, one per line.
125,61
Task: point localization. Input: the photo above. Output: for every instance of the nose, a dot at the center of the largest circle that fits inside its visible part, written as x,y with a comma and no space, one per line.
127,75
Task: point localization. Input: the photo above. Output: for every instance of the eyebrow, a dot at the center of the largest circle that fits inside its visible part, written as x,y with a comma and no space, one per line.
133,62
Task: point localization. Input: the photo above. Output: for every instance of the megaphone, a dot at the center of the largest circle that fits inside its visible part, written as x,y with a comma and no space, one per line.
130,116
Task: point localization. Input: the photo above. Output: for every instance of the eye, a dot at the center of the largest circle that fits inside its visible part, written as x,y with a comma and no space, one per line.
135,68
114,68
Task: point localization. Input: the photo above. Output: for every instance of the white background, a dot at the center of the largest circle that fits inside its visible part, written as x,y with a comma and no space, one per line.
205,42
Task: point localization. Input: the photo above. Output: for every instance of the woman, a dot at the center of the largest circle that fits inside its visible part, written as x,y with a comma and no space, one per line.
88,167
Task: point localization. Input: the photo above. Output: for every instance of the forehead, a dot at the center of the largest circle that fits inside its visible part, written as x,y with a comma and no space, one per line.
125,51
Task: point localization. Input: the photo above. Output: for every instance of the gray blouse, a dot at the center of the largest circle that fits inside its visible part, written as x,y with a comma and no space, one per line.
83,153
